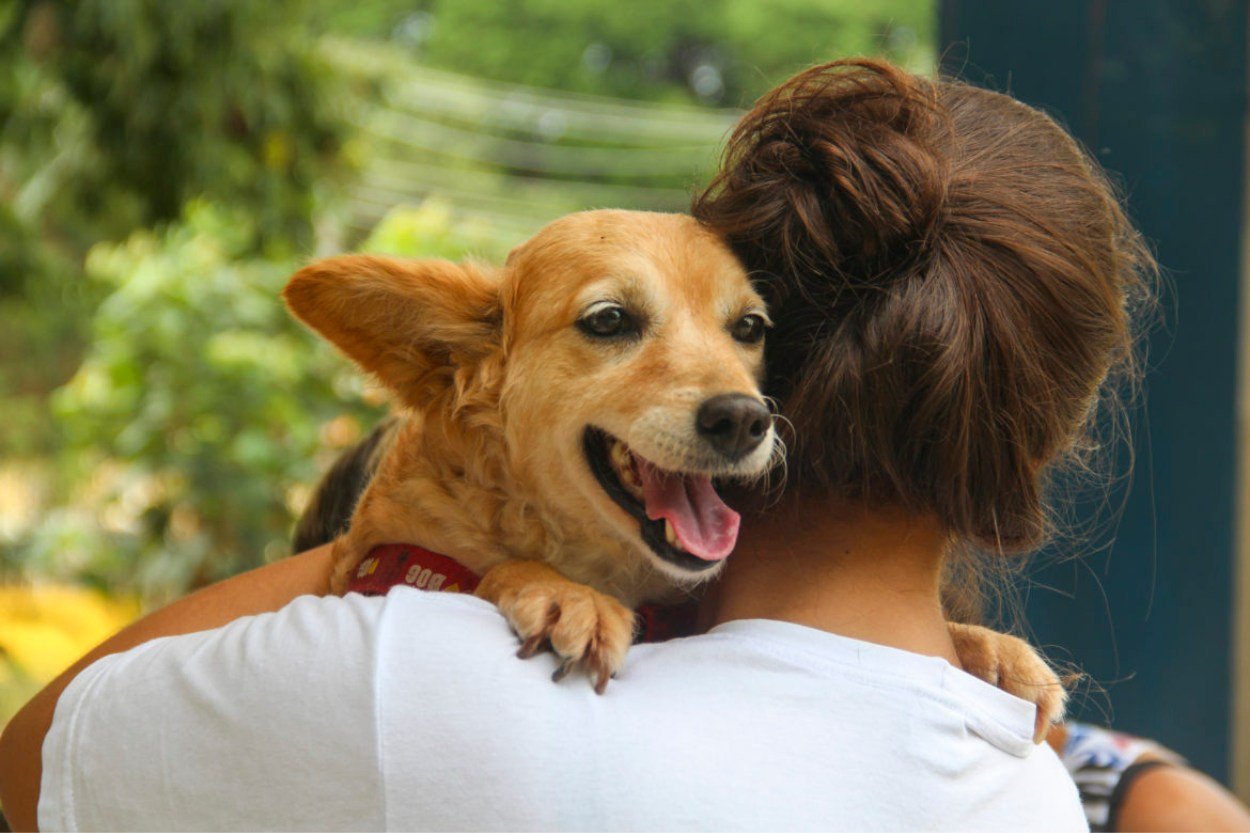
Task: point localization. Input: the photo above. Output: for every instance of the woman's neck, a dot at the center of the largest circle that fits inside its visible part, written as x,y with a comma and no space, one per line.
867,573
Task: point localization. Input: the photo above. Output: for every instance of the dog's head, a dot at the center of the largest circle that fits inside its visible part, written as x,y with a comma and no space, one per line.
621,350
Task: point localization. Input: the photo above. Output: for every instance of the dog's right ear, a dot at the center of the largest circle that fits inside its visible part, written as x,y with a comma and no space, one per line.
408,322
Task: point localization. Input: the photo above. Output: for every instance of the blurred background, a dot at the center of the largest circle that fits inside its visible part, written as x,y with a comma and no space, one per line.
164,166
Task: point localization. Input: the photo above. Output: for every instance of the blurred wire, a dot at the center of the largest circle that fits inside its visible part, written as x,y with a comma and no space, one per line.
510,156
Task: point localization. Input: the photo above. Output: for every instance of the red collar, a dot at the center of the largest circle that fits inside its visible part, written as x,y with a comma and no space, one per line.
390,565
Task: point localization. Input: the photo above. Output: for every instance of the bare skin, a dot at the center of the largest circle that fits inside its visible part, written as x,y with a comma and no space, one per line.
1178,798
868,574
1173,798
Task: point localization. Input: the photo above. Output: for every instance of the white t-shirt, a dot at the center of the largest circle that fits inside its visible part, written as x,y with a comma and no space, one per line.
411,711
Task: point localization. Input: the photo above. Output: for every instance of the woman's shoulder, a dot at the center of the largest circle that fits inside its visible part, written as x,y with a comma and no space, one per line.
755,724
800,659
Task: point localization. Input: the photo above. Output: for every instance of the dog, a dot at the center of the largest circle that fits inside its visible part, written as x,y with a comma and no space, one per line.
560,423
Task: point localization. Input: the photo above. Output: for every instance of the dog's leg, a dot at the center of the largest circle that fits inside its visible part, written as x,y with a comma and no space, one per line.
1012,665
582,626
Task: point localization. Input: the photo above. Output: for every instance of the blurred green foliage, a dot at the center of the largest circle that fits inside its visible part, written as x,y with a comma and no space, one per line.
724,52
114,113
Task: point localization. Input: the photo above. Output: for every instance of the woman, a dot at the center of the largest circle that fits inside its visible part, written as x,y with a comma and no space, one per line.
952,281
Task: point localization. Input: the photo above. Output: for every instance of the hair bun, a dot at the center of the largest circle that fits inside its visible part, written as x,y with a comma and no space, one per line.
993,280
834,163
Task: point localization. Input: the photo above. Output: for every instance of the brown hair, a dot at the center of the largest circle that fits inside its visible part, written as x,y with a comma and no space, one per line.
954,285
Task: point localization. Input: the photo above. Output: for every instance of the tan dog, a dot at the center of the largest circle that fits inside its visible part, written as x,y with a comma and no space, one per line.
562,420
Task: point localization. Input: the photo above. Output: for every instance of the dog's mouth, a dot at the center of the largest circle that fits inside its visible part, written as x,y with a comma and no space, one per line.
680,516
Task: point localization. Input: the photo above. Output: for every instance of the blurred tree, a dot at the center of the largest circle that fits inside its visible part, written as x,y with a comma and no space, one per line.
168,101
113,113
714,51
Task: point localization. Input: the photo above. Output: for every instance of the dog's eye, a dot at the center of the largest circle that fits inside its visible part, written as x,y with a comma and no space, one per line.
749,329
607,321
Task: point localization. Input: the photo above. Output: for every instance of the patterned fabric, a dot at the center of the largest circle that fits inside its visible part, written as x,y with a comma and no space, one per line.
1099,761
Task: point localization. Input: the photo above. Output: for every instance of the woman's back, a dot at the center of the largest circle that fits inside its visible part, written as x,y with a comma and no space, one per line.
415,712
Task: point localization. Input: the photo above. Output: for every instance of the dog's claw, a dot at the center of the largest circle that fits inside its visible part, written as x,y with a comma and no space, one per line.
530,646
601,681
585,628
1011,664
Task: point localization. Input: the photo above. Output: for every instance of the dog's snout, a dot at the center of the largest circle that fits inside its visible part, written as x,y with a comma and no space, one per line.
733,423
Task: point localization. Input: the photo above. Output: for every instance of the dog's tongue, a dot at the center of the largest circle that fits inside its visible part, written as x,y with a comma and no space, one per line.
705,526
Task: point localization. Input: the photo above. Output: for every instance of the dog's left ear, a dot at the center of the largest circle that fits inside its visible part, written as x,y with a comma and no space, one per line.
408,322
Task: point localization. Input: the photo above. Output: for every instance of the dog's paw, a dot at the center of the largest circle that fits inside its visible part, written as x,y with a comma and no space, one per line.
583,627
1012,665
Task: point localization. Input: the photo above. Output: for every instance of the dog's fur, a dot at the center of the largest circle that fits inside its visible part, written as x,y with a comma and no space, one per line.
497,382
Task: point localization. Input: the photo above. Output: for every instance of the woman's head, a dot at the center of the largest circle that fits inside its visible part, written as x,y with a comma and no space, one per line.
953,283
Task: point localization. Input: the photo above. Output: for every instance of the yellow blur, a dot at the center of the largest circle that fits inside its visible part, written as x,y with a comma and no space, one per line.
45,628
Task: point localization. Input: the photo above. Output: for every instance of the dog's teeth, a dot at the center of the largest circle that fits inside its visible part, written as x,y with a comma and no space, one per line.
620,457
670,534
623,464
630,481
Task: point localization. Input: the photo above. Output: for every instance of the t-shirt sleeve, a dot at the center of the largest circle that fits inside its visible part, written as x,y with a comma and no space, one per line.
269,722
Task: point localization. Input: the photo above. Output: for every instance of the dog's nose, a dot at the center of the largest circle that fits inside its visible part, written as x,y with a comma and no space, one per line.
733,423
